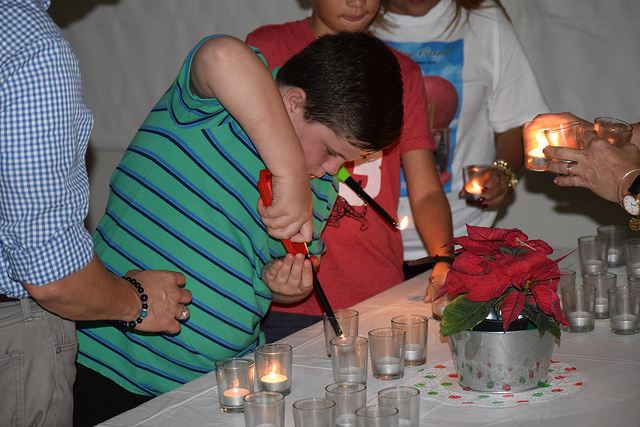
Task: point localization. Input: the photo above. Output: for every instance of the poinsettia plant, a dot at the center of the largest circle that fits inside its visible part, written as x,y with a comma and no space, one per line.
503,272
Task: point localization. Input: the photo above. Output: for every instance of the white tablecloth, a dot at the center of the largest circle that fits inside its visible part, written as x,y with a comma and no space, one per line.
609,397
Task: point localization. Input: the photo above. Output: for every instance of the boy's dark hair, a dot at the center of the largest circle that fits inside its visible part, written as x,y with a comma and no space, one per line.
353,86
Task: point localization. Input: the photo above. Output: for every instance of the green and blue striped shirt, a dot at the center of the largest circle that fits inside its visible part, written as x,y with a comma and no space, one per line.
184,198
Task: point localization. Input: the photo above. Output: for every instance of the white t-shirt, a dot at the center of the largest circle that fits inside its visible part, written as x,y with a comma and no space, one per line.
479,81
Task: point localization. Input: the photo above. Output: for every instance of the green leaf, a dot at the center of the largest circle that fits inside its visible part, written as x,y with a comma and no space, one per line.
543,321
462,314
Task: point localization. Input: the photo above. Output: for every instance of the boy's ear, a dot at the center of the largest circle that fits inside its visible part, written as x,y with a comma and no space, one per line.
294,98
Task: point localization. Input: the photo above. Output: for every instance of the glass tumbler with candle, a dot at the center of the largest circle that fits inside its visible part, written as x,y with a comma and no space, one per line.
264,409
565,135
437,305
616,131
274,367
475,177
624,303
416,328
386,349
616,236
314,412
377,416
535,140
347,318
406,399
235,380
602,281
592,251
578,307
632,255
348,397
349,359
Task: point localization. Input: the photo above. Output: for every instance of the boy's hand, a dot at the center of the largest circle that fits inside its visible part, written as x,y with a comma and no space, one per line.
289,216
290,279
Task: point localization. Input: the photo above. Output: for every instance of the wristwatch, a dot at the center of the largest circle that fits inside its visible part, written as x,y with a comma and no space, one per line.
630,201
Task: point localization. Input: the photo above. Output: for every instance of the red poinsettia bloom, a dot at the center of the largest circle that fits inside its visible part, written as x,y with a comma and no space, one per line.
505,266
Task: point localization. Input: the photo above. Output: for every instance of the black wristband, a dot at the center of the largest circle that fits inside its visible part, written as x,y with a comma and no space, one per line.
447,259
143,298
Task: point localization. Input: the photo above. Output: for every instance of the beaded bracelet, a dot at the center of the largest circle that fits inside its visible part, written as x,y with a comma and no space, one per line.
502,166
143,298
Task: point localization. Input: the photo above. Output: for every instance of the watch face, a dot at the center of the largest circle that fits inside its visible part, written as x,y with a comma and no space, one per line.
631,204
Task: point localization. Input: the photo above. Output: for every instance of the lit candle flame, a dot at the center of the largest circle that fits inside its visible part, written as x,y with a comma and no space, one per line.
273,377
404,223
473,187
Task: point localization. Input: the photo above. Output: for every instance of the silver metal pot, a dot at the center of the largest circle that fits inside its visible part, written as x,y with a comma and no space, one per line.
501,362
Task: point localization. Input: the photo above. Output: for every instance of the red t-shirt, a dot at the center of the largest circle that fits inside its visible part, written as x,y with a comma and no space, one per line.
364,253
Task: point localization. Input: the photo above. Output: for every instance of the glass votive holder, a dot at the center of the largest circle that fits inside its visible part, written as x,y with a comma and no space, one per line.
632,256
565,135
264,408
377,416
416,328
386,349
633,281
616,131
349,359
437,305
602,281
314,412
406,399
616,236
568,279
592,251
349,397
624,305
474,179
347,318
578,307
274,367
235,380
534,142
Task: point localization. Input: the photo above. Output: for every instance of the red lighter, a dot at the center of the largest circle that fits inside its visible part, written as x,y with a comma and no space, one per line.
266,193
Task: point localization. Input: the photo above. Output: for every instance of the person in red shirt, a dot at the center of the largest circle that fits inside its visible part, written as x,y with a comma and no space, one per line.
364,253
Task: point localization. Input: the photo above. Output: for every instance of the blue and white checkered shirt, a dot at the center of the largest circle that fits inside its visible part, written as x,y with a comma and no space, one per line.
44,132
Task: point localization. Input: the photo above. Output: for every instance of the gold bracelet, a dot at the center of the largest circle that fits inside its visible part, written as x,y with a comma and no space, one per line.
620,183
502,166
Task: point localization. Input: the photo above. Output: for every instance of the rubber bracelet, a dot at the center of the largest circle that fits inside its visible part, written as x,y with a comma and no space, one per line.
447,259
143,298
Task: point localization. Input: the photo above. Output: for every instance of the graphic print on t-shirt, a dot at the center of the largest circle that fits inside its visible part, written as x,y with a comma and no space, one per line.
441,65
365,172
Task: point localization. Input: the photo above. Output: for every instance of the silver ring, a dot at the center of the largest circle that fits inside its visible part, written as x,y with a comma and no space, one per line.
184,314
570,166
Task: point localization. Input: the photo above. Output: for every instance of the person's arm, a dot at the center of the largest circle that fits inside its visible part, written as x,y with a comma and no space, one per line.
227,69
429,205
600,166
635,135
94,293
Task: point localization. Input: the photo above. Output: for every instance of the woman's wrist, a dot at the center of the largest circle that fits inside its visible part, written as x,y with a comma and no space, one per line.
625,182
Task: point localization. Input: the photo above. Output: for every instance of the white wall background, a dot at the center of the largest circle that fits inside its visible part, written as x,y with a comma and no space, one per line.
586,54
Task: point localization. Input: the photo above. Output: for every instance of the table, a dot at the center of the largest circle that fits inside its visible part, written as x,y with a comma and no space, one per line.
610,396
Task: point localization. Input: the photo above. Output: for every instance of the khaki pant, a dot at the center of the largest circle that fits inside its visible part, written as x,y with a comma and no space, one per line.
37,371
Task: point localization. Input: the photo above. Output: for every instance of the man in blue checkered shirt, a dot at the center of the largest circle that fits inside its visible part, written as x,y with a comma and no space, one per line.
48,271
